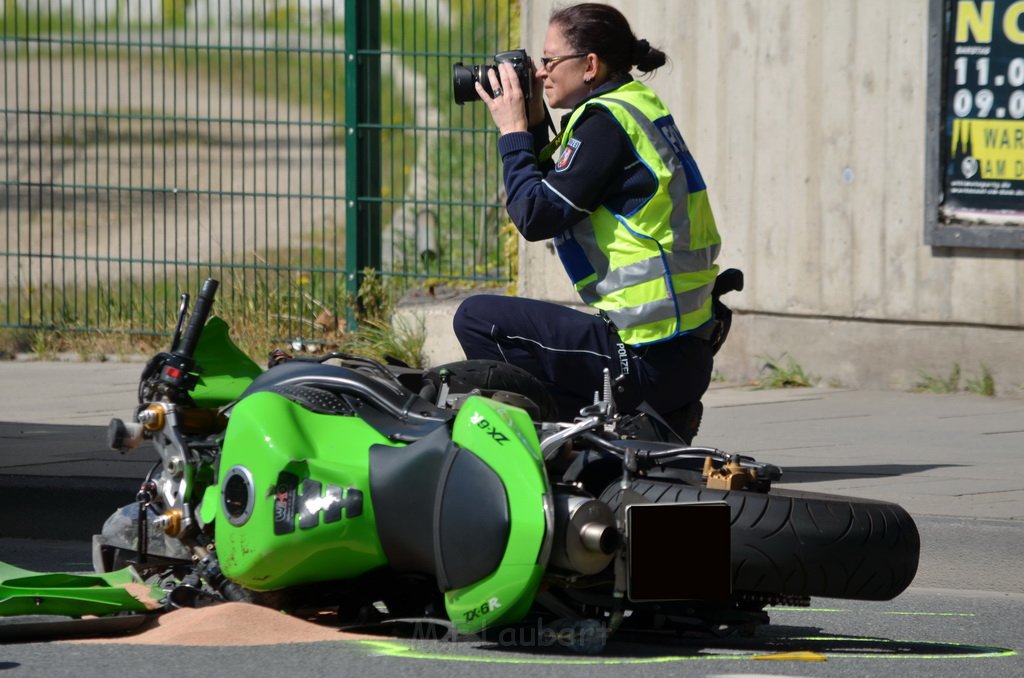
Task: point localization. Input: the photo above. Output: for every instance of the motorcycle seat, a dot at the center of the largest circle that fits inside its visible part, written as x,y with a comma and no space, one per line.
394,411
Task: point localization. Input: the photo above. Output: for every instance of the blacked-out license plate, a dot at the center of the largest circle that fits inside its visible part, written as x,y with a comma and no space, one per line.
679,551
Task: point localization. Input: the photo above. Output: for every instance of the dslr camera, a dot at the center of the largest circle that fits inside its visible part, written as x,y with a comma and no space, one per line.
464,76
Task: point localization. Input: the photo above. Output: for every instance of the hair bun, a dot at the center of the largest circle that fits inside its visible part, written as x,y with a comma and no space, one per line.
640,50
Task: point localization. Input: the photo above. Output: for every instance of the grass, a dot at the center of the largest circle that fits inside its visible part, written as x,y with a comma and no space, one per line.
983,384
379,334
931,383
319,310
398,339
776,374
14,340
306,309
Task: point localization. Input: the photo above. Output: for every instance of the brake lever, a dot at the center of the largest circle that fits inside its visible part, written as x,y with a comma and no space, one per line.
550,445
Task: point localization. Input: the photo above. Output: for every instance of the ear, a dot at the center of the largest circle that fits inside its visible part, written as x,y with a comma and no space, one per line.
593,68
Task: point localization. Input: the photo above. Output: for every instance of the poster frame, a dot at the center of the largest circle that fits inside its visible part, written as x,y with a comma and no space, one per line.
943,227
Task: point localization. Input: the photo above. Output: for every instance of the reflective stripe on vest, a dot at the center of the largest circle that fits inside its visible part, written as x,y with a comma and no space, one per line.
651,271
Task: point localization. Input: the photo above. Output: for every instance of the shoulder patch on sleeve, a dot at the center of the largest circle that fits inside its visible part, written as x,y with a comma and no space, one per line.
567,155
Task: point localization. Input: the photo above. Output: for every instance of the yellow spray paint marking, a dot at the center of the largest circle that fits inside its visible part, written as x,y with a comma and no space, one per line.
873,649
932,614
393,649
804,656
897,613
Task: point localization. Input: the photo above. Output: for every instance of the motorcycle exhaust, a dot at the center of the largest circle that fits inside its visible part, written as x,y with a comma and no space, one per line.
586,537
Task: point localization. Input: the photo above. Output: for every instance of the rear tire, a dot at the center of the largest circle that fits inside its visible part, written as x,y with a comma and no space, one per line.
800,543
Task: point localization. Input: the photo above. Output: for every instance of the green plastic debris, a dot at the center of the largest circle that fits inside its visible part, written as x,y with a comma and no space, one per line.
23,592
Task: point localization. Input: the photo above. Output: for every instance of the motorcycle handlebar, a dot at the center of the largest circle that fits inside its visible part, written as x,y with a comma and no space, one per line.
204,302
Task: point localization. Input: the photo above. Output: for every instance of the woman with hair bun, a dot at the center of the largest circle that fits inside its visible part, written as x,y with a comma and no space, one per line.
625,204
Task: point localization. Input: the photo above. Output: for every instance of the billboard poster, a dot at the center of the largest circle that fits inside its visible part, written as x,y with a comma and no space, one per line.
983,112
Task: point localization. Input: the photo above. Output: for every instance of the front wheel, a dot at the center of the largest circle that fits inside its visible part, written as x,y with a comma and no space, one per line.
801,543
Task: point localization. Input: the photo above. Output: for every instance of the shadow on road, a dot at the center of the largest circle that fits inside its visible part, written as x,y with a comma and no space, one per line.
61,481
810,474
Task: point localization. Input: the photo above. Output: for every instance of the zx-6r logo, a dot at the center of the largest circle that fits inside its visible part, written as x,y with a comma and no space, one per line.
485,609
478,420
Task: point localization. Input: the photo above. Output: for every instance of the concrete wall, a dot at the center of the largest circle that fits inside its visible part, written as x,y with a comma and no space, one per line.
808,120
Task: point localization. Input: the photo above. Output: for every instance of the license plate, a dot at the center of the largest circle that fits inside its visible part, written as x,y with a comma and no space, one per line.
678,551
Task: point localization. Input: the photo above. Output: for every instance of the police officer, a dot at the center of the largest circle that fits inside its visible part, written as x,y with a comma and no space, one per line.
625,204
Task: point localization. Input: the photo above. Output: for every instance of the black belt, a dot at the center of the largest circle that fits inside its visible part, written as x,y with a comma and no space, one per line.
707,331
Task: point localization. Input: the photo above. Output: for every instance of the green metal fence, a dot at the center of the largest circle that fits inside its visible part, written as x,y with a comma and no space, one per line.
280,146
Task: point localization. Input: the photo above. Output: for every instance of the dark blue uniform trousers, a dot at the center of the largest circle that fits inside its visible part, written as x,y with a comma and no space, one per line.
568,350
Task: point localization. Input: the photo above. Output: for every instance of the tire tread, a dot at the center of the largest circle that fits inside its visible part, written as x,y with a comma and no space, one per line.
801,543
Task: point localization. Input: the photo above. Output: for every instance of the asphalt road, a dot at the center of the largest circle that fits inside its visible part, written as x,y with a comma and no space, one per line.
924,632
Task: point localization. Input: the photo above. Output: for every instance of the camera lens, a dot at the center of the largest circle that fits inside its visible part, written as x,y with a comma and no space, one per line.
463,78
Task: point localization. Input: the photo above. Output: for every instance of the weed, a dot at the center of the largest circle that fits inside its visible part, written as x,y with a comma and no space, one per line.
376,335
931,383
43,344
399,341
374,302
14,341
257,309
379,334
777,375
984,385
509,236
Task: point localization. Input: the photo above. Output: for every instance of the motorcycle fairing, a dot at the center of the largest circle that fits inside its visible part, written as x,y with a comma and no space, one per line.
473,510
504,439
23,592
307,469
224,371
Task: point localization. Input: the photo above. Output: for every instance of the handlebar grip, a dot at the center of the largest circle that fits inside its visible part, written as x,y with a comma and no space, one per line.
204,302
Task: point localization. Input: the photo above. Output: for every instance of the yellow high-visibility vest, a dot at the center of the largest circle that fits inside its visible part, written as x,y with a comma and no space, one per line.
652,270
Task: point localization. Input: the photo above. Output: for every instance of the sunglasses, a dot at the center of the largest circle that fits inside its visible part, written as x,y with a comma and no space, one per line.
548,62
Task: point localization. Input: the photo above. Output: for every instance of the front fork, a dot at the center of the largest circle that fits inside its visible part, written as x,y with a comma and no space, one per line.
169,496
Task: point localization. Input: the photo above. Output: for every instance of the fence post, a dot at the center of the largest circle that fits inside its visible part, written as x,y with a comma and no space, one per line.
362,143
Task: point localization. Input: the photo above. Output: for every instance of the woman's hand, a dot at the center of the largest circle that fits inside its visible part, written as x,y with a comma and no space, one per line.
507,106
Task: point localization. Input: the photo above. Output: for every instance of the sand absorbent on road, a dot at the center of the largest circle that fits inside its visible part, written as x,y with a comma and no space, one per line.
227,624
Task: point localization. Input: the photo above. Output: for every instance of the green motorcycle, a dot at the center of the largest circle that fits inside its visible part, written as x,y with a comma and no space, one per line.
391,494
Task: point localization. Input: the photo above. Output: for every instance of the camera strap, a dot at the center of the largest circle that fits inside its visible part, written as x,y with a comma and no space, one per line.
548,151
